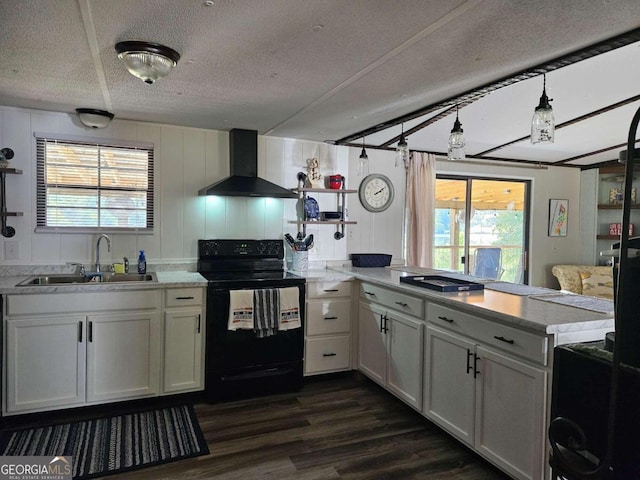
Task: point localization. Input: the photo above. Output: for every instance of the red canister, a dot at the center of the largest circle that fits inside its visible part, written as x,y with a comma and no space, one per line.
335,181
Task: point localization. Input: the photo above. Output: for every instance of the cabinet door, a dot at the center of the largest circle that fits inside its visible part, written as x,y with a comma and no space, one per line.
372,351
449,384
45,363
122,356
183,337
405,360
510,414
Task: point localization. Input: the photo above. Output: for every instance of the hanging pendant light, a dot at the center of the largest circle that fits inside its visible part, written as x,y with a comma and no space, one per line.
402,150
147,61
543,124
363,161
457,143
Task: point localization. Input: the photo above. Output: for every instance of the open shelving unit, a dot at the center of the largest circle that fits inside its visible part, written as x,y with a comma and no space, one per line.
6,230
610,178
340,193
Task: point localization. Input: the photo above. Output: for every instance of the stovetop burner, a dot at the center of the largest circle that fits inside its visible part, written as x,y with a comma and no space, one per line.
244,264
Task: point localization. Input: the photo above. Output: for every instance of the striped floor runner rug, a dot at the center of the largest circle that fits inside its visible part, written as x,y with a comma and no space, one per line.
112,445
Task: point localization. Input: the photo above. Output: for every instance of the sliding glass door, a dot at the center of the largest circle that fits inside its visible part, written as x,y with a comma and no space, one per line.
482,227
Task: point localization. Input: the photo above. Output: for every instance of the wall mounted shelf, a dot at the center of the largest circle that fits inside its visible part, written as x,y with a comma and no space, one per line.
6,230
341,193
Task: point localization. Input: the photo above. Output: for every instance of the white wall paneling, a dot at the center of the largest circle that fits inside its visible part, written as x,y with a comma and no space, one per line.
188,159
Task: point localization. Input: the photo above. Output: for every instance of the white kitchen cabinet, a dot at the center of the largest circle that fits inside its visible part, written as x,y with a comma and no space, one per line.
488,399
510,406
449,398
327,327
390,351
72,349
45,360
184,337
372,347
122,356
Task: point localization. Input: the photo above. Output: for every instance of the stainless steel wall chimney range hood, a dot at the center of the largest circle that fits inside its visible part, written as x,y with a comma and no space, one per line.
244,180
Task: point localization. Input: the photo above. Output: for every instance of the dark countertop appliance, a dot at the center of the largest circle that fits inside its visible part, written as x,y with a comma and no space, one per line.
238,363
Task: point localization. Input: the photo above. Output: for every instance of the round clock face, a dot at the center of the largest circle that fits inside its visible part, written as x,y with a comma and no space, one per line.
376,192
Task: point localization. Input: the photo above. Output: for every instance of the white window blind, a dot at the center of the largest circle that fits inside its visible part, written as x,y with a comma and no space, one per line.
89,186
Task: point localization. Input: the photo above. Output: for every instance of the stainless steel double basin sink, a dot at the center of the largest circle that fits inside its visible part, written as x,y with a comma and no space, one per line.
49,280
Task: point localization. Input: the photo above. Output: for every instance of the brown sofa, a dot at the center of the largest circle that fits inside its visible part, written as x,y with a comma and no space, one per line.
593,280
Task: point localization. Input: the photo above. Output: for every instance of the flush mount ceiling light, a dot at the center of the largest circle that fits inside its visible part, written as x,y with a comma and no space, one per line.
543,123
93,118
402,150
455,150
147,61
363,161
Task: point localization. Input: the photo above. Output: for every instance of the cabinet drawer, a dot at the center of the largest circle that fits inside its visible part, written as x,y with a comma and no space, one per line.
328,289
178,297
393,299
518,342
49,303
327,354
328,316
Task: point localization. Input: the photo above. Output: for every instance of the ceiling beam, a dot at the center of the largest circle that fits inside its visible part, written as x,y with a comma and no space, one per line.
584,155
470,95
586,116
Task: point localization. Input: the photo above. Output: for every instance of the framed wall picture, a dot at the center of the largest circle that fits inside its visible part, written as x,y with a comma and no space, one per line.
558,216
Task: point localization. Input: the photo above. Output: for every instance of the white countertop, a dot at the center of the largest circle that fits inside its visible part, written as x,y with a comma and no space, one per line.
517,310
165,280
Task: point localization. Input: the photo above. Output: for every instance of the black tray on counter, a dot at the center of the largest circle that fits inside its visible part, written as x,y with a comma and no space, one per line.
441,283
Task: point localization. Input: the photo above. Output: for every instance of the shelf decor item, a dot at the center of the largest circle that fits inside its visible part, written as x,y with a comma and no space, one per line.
616,229
311,208
558,216
314,178
617,194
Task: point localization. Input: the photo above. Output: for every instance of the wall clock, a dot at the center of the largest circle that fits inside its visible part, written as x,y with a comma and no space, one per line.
376,192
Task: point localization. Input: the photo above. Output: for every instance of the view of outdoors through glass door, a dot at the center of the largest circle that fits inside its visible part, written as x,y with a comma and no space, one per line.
494,243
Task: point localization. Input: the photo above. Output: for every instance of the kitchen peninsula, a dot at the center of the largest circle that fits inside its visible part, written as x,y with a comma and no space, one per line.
478,364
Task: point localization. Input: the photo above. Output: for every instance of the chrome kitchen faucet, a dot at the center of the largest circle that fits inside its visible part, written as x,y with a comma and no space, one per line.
97,269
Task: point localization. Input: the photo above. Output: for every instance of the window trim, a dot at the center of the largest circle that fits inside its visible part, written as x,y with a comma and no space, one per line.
41,139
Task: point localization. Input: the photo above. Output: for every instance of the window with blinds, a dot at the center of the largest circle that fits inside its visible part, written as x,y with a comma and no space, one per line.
89,187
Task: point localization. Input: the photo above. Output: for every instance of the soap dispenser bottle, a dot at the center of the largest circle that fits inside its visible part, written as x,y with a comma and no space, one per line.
142,262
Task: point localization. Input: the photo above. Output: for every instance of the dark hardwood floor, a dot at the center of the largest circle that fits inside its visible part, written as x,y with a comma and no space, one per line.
341,427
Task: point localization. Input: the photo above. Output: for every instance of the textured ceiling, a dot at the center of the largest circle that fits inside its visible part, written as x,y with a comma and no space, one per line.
327,69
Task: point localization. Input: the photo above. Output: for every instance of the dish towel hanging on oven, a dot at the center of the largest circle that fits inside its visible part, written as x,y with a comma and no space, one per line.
266,306
289,308
240,309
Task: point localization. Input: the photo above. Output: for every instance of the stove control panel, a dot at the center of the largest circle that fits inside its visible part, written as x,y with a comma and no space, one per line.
241,248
